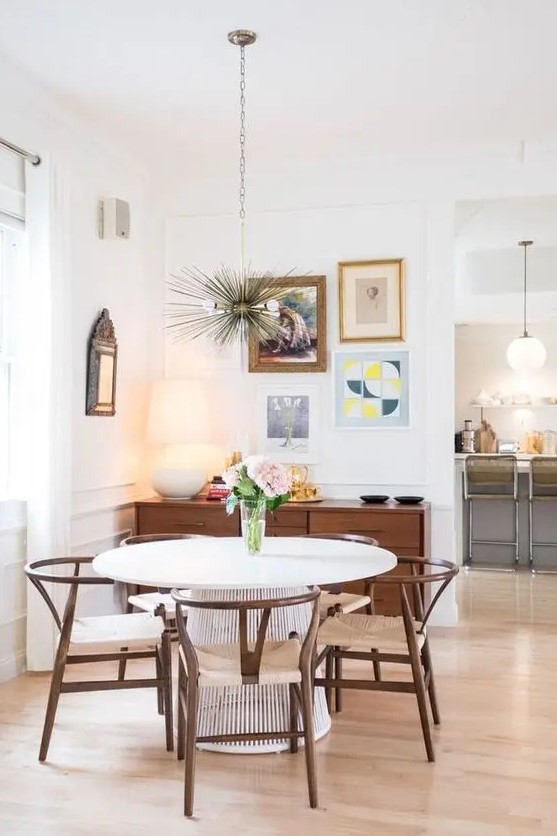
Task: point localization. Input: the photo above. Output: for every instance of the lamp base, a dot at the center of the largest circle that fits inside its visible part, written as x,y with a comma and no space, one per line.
178,482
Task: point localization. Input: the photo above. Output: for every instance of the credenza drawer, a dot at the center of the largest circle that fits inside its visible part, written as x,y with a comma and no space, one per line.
289,519
284,531
389,529
214,521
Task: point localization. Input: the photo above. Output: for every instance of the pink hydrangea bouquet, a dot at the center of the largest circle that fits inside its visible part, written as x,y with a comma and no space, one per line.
259,485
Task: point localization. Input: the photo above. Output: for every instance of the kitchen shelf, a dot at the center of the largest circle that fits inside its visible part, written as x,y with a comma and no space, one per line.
514,405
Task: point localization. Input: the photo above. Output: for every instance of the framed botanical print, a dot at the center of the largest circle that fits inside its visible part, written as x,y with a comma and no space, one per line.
288,423
371,390
371,301
301,344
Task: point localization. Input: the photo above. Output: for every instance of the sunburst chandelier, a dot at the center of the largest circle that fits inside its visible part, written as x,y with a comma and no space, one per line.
228,305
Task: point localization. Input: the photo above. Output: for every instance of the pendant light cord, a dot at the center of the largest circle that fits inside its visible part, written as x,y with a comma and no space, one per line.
525,328
525,245
242,154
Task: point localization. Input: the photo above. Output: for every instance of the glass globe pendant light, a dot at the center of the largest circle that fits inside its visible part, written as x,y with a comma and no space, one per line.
526,353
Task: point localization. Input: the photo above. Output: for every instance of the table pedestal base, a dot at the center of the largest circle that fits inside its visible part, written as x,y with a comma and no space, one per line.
249,708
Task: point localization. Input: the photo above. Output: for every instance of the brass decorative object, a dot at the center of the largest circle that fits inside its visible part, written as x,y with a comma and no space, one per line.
302,490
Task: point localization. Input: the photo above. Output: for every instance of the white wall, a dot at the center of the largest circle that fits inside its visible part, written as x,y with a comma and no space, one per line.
309,215
125,276
416,460
480,362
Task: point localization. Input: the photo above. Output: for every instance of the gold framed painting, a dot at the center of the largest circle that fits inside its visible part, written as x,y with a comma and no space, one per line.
372,301
301,344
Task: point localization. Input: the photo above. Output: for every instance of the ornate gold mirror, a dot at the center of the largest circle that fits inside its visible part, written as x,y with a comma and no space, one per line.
101,368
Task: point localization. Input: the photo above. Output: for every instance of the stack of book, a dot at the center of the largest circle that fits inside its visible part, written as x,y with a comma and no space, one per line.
217,489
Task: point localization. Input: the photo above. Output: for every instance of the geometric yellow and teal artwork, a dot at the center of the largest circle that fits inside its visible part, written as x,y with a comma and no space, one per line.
371,389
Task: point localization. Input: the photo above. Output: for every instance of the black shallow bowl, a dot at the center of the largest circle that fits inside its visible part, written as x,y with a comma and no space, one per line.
374,499
408,500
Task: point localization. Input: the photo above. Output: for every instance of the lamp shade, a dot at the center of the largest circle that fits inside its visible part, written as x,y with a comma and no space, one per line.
179,413
526,354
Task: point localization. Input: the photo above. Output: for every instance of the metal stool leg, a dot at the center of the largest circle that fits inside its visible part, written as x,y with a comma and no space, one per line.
469,560
516,543
531,534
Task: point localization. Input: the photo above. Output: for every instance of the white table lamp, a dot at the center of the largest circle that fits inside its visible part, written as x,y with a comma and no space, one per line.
179,422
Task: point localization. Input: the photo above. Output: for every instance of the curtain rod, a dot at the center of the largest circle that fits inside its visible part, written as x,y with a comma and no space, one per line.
21,152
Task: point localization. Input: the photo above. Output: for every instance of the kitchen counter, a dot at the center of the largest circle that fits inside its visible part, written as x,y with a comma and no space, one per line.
523,459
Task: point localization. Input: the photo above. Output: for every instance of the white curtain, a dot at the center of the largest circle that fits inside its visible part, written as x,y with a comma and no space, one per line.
49,385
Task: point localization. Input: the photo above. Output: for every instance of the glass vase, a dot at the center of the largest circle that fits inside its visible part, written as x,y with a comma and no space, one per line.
252,515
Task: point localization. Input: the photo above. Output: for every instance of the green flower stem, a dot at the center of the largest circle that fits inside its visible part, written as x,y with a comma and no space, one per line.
253,530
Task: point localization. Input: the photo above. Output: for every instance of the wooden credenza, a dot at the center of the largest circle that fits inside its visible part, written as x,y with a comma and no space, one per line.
403,529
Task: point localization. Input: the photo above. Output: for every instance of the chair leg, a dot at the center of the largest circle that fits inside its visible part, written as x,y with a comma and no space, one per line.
191,733
417,675
166,663
428,668
376,667
309,738
328,676
51,706
122,666
182,691
293,706
160,689
338,675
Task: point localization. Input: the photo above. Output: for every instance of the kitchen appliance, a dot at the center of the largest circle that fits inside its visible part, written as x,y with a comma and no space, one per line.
507,446
468,437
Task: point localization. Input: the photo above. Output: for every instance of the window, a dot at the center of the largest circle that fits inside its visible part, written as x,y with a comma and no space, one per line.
12,252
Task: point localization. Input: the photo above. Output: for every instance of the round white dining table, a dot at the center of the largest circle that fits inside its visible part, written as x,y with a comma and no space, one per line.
219,568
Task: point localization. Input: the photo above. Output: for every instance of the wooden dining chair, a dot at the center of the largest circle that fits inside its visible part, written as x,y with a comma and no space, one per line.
100,639
247,662
151,601
332,595
396,639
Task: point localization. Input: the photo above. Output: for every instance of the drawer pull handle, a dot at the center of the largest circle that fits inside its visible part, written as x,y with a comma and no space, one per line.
188,525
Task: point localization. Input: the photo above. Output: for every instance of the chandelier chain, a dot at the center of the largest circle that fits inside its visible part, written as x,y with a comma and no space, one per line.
242,133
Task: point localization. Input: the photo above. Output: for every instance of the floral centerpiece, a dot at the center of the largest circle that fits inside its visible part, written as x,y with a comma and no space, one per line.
259,485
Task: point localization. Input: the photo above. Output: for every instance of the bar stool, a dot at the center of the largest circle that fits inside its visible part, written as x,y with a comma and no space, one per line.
542,488
490,477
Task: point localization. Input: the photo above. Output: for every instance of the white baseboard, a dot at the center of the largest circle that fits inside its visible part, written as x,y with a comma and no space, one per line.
12,666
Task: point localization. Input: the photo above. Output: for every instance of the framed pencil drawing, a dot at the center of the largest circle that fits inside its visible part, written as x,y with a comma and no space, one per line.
371,301
301,345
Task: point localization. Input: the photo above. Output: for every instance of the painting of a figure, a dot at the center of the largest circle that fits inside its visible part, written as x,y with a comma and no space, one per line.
301,341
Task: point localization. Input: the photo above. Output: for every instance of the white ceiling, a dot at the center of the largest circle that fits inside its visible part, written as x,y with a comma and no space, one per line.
355,77
489,266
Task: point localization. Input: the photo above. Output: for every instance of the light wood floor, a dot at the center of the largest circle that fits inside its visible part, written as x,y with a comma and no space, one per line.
495,775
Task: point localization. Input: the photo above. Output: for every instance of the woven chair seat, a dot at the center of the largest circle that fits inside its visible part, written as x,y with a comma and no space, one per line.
385,633
219,664
347,600
149,601
106,633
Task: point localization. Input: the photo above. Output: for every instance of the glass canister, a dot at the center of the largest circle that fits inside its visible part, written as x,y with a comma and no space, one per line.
549,443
